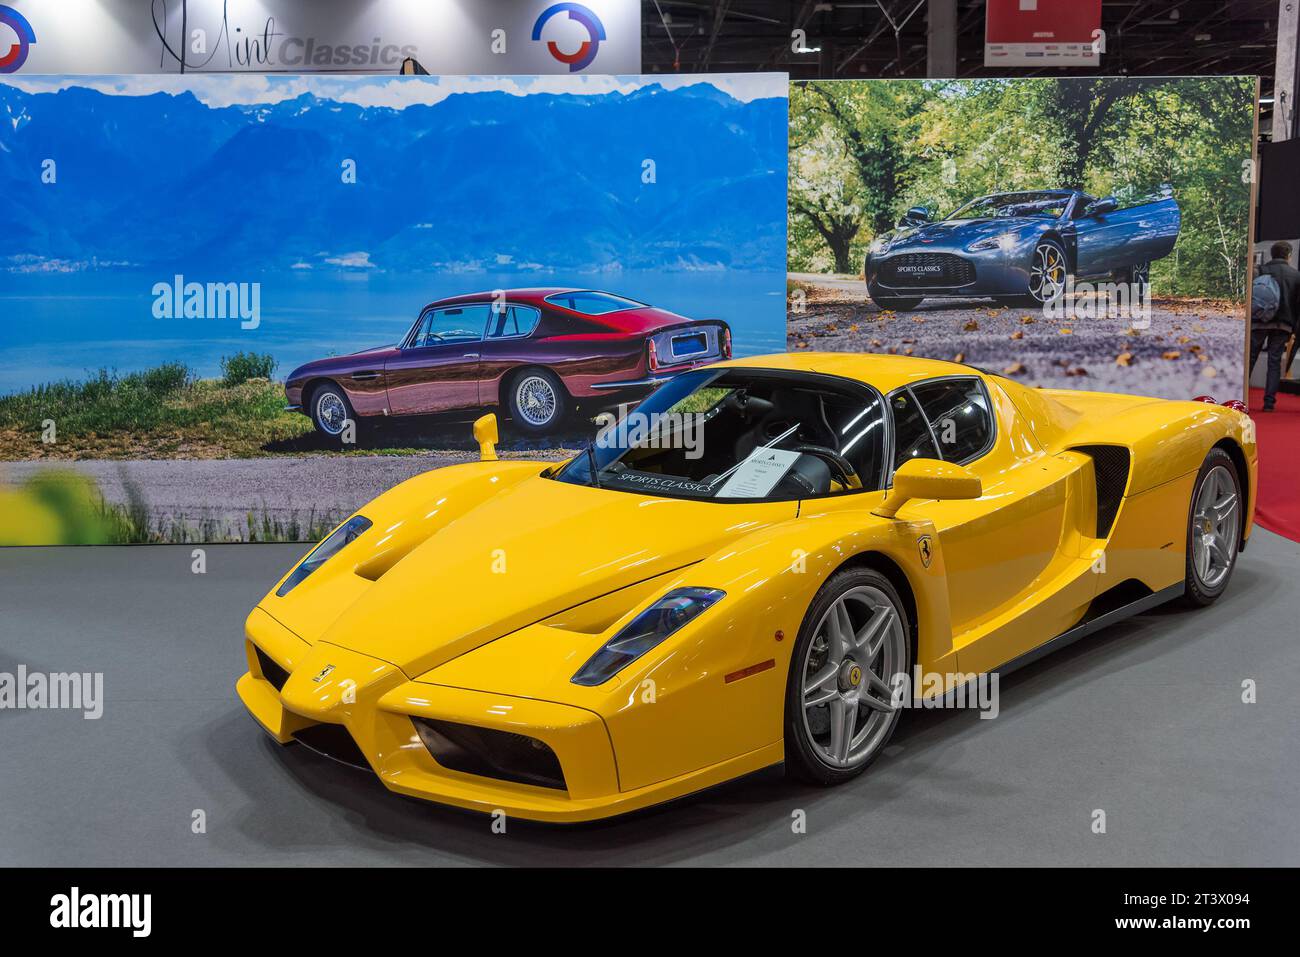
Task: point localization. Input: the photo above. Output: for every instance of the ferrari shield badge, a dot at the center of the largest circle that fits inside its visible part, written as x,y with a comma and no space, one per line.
926,548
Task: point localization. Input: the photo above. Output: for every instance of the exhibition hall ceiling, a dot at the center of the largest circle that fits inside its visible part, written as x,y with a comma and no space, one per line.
858,39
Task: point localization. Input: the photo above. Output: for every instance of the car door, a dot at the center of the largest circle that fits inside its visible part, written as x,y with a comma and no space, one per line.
507,344
1100,239
1013,558
438,368
1153,230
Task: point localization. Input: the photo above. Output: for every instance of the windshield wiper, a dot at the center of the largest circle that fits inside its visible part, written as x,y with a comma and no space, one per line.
591,463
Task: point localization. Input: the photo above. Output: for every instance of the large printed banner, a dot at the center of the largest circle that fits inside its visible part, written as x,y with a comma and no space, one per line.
324,36
237,307
1043,33
1070,233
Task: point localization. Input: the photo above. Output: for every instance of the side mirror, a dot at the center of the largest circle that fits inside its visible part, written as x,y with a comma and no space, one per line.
915,216
929,478
1101,206
485,434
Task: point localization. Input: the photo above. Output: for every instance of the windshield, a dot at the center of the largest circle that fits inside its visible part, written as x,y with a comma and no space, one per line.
592,303
742,435
1015,204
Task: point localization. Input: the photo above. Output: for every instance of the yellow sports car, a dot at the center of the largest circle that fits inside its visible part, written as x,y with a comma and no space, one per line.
768,561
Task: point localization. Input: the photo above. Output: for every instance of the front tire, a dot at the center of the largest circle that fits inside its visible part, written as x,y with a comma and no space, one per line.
1048,270
1213,530
330,411
538,401
840,707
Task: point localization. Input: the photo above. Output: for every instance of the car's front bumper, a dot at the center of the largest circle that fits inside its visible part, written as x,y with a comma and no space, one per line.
924,271
375,703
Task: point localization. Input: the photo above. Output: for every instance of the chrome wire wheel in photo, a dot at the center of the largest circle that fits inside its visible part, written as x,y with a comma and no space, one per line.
331,412
1216,526
847,674
1047,276
535,400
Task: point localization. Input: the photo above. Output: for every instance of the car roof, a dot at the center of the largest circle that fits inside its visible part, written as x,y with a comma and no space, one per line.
528,296
885,372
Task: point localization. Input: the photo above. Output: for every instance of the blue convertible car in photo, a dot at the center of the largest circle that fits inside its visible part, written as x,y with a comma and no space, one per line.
1020,247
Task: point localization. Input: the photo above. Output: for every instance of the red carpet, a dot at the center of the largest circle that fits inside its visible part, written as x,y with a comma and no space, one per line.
1278,433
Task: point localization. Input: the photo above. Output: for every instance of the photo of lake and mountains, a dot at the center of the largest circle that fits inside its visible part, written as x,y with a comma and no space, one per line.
172,252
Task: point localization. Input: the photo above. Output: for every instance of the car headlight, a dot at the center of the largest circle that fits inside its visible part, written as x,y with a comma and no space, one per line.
880,245
1005,242
318,556
645,631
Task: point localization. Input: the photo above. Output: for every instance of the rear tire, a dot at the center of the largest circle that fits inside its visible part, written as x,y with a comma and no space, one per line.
836,727
1138,278
537,399
1213,530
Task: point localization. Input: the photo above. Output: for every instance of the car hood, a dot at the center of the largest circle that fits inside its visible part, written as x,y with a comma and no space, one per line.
963,231
524,554
352,360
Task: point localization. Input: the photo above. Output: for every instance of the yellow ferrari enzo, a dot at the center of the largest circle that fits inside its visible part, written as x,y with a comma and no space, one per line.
743,571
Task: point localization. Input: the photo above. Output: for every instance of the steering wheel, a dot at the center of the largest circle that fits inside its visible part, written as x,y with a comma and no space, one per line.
846,475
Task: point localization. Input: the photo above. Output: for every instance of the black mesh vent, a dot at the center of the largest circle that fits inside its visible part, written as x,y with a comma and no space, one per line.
926,270
1110,467
490,753
270,670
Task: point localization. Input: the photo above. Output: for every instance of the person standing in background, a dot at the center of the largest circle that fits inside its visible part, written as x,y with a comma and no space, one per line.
1273,331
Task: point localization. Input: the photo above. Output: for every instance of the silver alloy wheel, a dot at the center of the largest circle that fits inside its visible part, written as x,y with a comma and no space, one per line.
331,413
1142,275
1047,278
857,648
1216,523
535,399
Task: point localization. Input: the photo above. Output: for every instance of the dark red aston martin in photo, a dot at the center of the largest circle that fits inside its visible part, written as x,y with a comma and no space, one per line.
538,353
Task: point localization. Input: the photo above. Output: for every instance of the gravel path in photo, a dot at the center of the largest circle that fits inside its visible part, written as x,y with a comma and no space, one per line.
1192,347
291,491
217,498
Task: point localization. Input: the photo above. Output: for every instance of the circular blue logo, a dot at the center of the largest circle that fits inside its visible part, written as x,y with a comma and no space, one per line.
17,53
581,58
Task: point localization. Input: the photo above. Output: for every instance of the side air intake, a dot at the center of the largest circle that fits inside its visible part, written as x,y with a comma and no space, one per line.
490,753
271,670
1110,467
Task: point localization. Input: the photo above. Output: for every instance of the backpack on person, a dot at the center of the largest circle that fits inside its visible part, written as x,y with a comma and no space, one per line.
1265,298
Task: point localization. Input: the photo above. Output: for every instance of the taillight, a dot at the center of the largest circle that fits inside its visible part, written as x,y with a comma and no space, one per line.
1206,398
1236,405
652,357
726,342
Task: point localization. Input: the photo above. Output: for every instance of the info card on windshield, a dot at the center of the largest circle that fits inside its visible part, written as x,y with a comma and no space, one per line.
757,475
